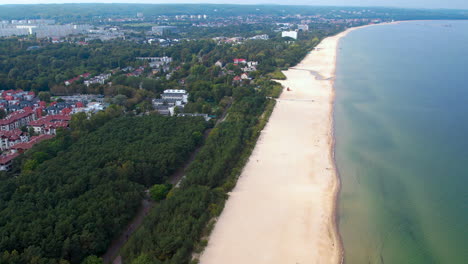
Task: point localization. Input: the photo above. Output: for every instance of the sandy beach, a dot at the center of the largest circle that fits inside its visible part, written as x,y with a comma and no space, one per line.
283,207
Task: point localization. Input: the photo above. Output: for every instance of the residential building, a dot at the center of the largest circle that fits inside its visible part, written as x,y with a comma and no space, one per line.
161,30
49,124
291,34
84,75
18,119
219,64
238,61
10,138
100,79
260,37
6,161
180,95
303,27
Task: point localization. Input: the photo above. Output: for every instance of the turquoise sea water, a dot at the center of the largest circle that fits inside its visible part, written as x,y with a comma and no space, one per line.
401,127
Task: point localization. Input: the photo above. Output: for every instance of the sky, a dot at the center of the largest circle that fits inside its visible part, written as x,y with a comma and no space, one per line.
455,4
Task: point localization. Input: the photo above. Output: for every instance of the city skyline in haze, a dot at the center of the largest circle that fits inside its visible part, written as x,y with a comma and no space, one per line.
449,4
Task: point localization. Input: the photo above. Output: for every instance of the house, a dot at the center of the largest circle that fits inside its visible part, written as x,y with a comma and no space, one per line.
10,138
163,109
52,110
237,61
24,104
6,161
236,79
180,95
290,34
245,76
260,37
168,102
100,79
49,124
91,107
57,108
251,66
219,64
18,119
22,147
84,75
170,99
303,27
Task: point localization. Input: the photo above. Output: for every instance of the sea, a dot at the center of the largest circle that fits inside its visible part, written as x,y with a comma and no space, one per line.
401,131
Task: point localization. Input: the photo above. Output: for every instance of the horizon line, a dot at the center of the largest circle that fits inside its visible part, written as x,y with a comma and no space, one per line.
243,4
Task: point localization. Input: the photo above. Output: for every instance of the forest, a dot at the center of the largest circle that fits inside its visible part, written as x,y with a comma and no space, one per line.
78,190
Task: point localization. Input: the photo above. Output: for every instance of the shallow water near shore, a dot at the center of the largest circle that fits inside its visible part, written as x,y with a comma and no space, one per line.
401,130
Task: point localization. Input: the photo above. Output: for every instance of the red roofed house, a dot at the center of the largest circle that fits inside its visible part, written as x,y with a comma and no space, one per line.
245,76
10,138
66,111
38,112
17,119
49,124
84,75
22,147
5,161
237,61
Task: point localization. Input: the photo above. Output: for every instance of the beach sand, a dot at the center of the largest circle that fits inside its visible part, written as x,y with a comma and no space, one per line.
282,209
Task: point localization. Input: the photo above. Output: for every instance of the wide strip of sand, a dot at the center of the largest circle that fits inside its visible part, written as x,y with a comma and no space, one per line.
282,209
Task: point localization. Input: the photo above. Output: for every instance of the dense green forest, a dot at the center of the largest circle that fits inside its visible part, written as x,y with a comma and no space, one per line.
51,65
75,192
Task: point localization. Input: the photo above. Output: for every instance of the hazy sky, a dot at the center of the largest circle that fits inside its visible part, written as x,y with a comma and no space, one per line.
458,4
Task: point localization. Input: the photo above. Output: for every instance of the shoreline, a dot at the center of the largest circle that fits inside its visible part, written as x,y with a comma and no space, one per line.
337,190
287,194
337,186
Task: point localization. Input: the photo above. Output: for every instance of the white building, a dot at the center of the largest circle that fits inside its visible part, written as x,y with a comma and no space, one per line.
219,64
303,27
181,95
262,37
291,34
101,79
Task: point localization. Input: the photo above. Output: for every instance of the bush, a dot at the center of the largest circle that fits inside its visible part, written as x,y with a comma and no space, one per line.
159,191
278,75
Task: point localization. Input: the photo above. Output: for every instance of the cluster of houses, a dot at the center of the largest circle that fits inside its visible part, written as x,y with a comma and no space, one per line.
233,40
84,76
100,79
30,120
158,64
246,67
132,72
